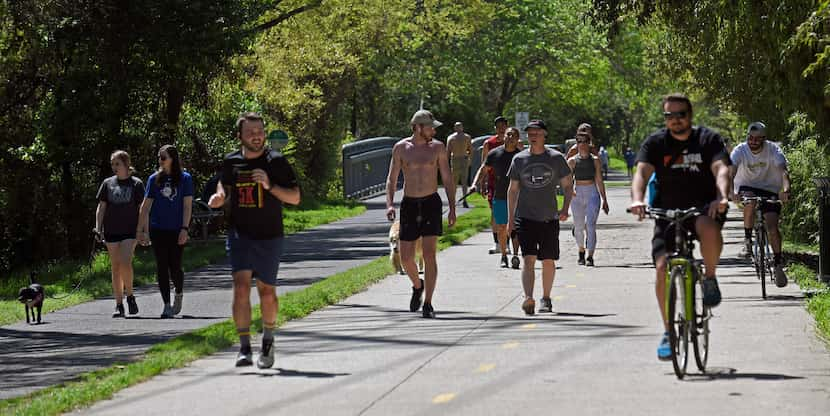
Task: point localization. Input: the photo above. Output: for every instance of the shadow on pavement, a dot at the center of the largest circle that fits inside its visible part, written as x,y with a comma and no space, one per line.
725,373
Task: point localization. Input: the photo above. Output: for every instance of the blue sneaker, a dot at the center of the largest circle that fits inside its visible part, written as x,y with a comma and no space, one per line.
664,349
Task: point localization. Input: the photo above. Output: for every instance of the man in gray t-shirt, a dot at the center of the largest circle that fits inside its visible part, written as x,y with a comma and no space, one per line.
532,210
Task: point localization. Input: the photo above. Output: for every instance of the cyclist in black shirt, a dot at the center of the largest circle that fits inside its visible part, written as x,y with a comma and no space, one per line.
692,168
259,181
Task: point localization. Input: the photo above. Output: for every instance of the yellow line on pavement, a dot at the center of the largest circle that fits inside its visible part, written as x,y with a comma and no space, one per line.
528,326
443,398
485,368
571,286
510,345
558,297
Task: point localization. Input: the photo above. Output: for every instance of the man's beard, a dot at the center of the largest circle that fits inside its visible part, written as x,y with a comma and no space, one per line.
755,147
681,131
252,147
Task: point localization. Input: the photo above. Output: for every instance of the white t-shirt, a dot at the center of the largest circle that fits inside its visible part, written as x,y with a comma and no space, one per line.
763,170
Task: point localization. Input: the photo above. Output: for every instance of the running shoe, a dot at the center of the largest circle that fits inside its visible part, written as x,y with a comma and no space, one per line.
664,349
515,262
546,305
711,292
415,301
131,305
529,306
177,303
495,249
780,276
428,311
244,358
504,261
589,262
119,311
266,355
167,312
746,250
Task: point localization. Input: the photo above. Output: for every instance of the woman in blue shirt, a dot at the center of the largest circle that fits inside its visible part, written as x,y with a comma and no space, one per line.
165,212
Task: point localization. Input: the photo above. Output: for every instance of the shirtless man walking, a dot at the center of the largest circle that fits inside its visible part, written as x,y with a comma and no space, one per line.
419,156
459,149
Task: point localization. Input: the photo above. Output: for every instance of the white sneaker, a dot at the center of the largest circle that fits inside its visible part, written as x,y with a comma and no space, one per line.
746,250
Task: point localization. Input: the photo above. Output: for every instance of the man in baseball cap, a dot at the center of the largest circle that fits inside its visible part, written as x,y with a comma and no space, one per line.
425,118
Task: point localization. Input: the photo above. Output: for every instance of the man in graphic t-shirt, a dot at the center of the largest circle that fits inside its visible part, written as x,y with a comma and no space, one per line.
532,210
259,180
759,169
692,170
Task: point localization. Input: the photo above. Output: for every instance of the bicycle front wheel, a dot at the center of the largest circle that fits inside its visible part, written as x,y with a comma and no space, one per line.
678,326
700,333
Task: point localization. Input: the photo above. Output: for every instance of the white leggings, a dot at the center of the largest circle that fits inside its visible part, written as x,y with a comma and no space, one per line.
585,209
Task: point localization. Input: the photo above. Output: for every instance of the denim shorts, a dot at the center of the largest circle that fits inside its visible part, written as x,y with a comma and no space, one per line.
261,257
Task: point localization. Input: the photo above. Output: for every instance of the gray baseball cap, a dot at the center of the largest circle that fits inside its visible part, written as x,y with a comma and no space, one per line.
757,127
425,117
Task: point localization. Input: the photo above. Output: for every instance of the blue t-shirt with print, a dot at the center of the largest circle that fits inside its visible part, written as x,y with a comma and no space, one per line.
168,201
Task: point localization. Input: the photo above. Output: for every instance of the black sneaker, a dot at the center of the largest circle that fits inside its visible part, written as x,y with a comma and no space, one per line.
131,305
504,261
244,358
428,311
546,305
589,262
415,302
581,260
711,292
515,262
119,311
266,355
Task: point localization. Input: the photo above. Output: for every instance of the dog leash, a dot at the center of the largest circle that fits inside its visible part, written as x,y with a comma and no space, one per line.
460,200
95,242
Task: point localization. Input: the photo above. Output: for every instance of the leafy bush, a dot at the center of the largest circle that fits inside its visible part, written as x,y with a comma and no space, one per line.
807,160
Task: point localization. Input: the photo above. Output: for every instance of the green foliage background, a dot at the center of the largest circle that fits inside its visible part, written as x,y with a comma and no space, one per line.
81,79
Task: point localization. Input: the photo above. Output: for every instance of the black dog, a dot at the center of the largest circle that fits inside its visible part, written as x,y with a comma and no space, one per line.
32,297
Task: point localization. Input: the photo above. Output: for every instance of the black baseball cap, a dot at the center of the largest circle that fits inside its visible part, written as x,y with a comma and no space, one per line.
536,124
500,119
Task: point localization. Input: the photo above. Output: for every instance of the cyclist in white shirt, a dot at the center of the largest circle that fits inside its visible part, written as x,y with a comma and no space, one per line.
759,168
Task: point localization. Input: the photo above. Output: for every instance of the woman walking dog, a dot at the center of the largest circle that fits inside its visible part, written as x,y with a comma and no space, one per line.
116,220
588,187
166,213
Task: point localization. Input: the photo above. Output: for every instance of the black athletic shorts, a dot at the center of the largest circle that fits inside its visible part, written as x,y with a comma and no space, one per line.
537,238
421,217
117,238
662,242
765,207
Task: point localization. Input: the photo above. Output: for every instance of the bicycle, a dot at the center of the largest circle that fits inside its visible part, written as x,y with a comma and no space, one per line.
762,256
687,317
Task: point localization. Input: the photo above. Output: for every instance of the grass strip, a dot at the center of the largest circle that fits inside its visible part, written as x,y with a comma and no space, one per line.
59,278
818,304
178,352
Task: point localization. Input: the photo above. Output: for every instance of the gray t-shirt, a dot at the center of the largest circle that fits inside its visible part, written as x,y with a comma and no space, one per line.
123,198
539,176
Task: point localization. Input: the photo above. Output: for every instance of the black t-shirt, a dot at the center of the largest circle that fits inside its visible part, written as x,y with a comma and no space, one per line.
123,198
255,212
687,181
499,159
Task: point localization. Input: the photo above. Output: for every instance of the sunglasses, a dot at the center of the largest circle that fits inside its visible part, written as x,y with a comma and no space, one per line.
162,158
668,115
583,141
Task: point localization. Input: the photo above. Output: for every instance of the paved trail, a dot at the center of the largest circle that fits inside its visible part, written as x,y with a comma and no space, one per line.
595,355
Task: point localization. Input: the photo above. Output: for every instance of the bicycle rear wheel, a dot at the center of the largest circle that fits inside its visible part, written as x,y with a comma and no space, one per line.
761,267
700,333
678,326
